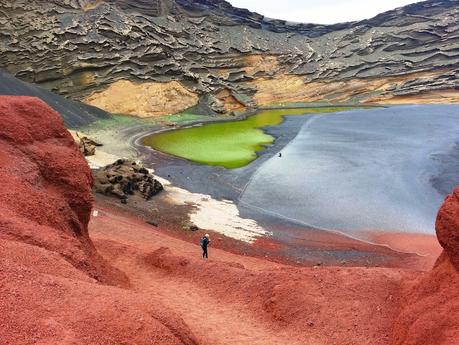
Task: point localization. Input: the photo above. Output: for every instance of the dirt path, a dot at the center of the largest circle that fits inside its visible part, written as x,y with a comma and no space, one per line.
213,321
238,299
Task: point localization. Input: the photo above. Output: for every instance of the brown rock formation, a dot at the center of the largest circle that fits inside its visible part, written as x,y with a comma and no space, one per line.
430,312
87,145
125,178
143,99
291,88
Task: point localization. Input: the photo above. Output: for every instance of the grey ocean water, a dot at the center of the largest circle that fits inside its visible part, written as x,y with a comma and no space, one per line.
361,170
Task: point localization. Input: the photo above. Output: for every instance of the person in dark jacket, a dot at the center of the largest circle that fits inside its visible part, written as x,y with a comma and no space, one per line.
204,243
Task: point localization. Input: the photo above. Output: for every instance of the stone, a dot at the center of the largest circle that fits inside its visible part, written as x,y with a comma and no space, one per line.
152,222
447,226
125,178
87,146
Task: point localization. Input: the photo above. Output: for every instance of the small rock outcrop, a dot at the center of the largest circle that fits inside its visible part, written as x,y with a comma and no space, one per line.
87,146
125,178
431,304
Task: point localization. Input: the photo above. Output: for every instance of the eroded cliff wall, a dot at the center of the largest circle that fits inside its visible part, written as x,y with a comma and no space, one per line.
80,48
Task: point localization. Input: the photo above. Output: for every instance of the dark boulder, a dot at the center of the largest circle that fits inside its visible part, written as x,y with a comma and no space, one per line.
125,178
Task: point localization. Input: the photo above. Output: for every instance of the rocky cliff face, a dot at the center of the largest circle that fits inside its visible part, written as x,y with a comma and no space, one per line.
45,186
229,58
430,313
55,287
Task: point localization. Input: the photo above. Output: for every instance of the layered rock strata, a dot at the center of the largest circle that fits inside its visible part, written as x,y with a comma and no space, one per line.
82,49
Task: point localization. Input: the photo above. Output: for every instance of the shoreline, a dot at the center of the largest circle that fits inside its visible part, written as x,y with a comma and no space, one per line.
223,184
241,117
322,248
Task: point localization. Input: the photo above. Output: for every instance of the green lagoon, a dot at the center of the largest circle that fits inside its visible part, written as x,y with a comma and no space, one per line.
231,144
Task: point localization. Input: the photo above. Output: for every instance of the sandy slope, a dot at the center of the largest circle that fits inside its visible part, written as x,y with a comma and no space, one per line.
234,299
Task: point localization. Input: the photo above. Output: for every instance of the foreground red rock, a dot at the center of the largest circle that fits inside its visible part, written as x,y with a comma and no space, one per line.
45,186
447,227
235,299
51,276
430,314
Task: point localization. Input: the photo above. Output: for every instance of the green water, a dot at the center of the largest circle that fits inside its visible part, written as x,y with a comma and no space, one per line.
229,144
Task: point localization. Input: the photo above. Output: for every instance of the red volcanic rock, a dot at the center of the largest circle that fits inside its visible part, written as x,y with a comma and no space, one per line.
430,313
45,186
447,227
53,283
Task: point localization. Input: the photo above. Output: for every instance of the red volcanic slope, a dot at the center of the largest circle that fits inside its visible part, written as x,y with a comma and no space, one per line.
49,268
431,311
233,299
55,287
45,186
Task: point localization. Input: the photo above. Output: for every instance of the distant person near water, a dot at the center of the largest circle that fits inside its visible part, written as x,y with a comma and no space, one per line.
204,243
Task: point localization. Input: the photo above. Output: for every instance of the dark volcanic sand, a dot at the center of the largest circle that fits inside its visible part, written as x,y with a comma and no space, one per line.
292,241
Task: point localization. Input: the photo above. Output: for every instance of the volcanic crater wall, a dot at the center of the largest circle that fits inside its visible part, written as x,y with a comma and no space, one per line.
77,48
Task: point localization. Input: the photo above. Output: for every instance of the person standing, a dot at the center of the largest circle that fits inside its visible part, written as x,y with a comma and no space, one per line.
204,243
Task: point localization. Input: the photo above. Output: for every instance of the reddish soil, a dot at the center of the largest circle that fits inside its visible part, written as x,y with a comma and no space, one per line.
234,299
302,246
122,281
430,314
